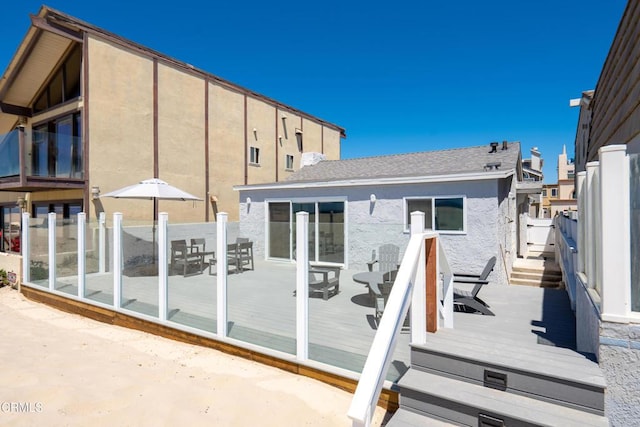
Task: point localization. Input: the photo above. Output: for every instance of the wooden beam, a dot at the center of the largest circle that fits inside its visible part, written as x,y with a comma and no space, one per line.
57,29
15,110
431,284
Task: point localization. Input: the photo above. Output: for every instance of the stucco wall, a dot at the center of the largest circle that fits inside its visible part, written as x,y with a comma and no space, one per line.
619,358
121,91
370,225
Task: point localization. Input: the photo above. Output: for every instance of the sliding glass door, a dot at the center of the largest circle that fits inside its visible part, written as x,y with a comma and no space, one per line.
326,230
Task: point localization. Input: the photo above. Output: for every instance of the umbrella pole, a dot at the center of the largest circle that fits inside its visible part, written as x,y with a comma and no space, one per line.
153,230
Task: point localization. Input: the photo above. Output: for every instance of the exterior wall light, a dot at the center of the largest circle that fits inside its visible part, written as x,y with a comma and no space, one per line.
372,198
95,192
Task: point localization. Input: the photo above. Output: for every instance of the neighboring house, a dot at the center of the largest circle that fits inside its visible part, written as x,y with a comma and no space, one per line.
469,195
532,179
560,197
84,112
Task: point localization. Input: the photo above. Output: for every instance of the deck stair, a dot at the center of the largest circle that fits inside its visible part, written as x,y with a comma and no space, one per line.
462,378
539,272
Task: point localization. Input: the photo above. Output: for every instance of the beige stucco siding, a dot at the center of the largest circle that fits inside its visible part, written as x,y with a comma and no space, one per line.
226,147
312,136
261,117
120,123
331,139
181,140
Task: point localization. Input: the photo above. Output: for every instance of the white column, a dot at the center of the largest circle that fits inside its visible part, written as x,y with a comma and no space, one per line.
419,293
615,253
25,248
591,226
302,285
52,249
102,246
82,243
163,262
582,219
221,269
117,260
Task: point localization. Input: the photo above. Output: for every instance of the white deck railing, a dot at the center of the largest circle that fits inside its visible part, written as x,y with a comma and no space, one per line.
409,287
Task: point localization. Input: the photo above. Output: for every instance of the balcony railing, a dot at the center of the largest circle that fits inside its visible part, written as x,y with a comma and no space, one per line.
10,154
46,155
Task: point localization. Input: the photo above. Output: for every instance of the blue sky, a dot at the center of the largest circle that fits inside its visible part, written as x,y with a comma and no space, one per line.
399,76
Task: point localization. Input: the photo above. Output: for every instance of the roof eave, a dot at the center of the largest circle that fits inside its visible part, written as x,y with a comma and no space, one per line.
475,176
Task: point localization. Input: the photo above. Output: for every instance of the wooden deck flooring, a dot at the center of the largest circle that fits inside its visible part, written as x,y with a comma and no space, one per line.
261,311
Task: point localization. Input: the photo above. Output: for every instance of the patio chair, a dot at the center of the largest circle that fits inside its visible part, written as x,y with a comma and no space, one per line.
181,256
324,280
197,245
388,258
384,289
470,299
244,255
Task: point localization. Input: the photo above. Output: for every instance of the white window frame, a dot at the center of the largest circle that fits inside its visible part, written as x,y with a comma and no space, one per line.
433,212
254,156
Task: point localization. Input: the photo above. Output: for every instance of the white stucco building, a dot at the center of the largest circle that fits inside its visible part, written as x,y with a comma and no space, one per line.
356,205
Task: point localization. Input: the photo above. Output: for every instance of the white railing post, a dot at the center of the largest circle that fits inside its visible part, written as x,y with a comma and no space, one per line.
82,244
302,285
221,268
25,248
117,260
102,246
419,295
590,224
52,249
615,252
163,273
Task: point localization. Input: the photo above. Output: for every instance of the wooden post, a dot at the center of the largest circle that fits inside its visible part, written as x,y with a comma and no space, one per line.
431,283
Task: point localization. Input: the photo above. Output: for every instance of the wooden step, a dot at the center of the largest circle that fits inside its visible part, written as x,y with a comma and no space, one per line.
543,374
545,276
406,418
469,404
536,283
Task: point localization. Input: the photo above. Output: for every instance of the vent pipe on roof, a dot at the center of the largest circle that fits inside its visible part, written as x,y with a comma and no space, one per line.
505,145
494,147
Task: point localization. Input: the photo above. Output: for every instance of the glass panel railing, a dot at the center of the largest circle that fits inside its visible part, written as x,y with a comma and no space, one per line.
634,190
67,256
342,327
39,251
99,262
261,298
140,267
56,155
192,281
10,154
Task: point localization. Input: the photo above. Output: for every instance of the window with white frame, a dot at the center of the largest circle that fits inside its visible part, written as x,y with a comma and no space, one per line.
445,214
288,162
254,155
554,192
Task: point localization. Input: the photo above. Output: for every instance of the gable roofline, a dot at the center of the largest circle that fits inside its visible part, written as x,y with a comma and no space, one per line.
59,21
475,176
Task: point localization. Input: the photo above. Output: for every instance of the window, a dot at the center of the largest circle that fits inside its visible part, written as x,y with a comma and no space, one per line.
441,213
64,85
254,155
288,162
544,192
554,192
57,148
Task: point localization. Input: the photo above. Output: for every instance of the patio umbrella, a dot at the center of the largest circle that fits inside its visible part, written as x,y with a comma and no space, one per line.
152,189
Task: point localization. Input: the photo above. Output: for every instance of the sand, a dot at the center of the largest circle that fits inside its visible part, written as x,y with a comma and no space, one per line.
61,369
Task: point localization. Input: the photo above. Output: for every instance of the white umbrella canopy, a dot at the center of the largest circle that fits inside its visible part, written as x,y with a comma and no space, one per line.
153,188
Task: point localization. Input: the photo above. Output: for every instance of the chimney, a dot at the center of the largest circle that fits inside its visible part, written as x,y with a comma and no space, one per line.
494,147
504,145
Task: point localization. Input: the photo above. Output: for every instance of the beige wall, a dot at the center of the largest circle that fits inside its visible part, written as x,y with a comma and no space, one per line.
120,125
121,132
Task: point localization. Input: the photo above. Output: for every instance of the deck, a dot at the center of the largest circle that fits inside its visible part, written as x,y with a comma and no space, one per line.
261,311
